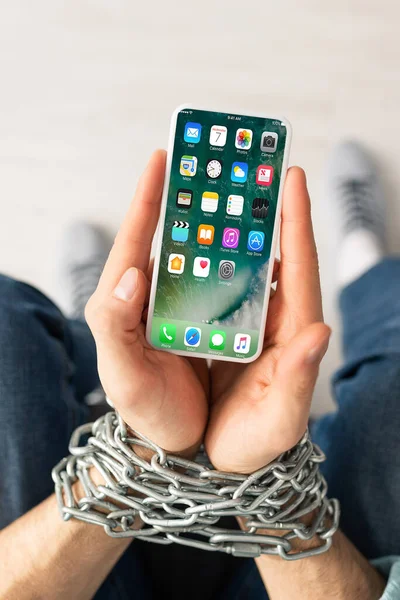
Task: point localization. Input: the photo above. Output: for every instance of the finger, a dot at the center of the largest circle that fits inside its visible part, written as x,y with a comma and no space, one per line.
115,322
275,272
299,283
133,243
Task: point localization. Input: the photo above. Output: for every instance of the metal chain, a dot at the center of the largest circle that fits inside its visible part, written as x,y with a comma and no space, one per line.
181,501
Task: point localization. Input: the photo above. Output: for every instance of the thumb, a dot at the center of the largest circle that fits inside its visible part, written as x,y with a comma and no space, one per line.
295,377
115,322
119,314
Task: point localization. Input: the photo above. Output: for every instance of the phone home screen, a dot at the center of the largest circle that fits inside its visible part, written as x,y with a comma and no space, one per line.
219,222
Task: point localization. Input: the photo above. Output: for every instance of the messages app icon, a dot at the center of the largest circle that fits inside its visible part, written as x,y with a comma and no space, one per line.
239,172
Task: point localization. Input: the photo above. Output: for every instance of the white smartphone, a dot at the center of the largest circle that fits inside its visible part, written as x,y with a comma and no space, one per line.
217,234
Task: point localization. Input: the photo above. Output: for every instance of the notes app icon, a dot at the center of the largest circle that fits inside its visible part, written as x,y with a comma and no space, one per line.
242,343
205,234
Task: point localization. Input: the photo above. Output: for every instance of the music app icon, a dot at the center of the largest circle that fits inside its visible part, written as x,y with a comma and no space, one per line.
242,343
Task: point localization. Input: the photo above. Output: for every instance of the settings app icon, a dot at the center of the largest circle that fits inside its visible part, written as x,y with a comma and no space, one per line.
226,269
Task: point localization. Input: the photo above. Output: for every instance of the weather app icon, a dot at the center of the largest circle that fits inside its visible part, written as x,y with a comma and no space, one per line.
239,172
255,241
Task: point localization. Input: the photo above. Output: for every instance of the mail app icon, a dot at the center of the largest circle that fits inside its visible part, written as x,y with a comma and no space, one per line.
192,133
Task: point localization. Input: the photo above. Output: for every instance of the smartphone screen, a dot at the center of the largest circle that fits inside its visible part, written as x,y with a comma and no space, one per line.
209,292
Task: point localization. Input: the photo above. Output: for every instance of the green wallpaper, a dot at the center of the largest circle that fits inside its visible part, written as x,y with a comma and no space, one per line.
210,303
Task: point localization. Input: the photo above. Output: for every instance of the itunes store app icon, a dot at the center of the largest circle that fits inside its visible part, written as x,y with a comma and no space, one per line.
230,237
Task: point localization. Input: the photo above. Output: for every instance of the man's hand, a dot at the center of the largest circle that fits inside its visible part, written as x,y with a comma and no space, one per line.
162,395
261,410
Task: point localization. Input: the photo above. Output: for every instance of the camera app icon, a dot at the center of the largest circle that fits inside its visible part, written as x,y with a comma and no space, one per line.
269,141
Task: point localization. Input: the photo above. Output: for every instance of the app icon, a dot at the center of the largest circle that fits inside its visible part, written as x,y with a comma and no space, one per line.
259,208
269,141
188,166
226,269
234,206
264,175
180,231
214,168
176,263
243,139
239,172
201,266
217,340
218,135
167,333
255,241
230,237
192,336
242,343
184,198
192,133
205,234
209,202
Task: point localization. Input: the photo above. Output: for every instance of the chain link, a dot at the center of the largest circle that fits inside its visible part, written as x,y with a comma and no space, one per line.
181,501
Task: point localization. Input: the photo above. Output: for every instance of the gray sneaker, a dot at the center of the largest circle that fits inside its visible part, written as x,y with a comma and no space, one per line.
84,251
355,190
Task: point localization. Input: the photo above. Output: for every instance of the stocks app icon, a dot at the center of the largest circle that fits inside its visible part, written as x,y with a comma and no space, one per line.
226,269
259,208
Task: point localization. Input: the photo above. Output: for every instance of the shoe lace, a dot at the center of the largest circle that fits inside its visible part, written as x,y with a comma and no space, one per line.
84,280
360,208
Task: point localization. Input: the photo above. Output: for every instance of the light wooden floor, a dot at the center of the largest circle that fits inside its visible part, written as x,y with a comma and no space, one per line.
87,88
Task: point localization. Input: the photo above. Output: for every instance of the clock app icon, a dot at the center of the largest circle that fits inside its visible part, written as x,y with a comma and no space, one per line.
214,168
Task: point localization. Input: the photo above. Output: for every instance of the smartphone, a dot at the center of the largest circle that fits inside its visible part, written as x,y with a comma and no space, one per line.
217,234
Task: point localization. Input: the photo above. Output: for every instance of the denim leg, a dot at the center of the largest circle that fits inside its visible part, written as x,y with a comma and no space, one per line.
47,366
361,439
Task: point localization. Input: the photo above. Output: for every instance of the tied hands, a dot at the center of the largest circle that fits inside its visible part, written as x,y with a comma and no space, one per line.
245,414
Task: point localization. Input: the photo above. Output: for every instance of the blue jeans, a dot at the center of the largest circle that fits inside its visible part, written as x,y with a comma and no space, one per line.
48,365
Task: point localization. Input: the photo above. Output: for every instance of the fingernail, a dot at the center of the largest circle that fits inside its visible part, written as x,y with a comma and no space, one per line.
317,353
125,290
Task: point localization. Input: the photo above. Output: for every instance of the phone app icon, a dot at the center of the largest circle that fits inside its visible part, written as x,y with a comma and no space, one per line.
269,141
184,198
230,237
176,263
264,174
214,168
226,270
209,202
192,133
218,135
255,241
180,231
188,166
201,266
239,172
242,343
259,208
217,340
192,336
234,206
243,139
167,333
205,234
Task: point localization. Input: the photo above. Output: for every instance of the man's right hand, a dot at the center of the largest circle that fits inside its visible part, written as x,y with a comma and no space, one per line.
162,395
